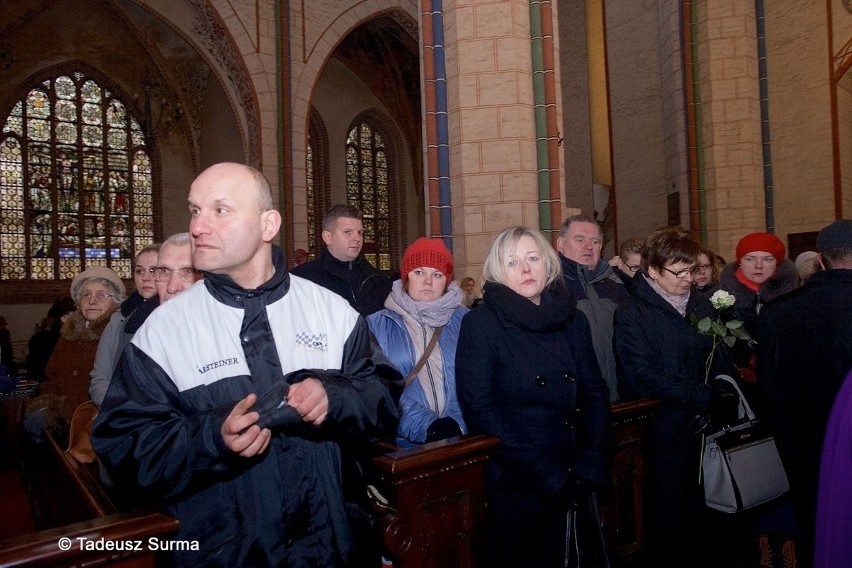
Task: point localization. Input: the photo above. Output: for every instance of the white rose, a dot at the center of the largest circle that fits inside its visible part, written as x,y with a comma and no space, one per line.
722,299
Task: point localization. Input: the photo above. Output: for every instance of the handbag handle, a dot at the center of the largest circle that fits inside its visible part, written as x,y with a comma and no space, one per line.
749,413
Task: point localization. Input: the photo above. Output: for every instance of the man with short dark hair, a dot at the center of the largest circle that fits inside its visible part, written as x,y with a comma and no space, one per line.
804,351
341,267
231,401
595,286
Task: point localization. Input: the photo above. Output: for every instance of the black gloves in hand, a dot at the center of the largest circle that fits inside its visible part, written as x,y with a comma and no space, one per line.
442,428
724,403
273,408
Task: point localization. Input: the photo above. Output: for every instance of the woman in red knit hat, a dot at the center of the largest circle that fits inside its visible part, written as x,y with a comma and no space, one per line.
760,274
424,304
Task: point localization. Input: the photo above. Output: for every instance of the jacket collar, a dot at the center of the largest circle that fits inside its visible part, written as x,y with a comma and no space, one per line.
225,290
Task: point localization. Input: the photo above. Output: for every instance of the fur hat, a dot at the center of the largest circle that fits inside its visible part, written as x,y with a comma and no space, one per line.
836,235
761,241
101,273
427,252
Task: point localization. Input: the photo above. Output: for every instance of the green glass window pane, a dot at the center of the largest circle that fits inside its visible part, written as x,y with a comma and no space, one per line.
117,115
92,113
66,110
15,121
117,138
42,269
68,268
66,132
38,130
12,268
38,105
92,135
124,267
65,88
91,92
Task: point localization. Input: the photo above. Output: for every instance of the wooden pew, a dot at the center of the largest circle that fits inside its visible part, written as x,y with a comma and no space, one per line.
435,511
73,505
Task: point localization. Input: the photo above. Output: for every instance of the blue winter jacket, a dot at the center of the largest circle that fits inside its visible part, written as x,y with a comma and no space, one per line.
398,345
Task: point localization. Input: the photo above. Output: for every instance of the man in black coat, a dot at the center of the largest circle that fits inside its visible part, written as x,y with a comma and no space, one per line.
341,267
595,286
804,351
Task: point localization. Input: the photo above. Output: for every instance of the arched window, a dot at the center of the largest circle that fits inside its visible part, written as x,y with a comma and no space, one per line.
369,170
75,182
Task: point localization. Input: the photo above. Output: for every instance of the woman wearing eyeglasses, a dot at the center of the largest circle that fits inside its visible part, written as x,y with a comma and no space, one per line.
97,292
706,279
662,356
124,322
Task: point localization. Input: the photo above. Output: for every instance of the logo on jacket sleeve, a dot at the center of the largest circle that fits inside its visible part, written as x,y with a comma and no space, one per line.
312,341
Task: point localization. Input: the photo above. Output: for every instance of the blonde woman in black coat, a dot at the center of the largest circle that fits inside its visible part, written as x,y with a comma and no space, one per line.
527,374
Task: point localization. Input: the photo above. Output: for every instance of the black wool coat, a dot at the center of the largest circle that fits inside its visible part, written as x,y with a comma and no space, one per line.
528,375
804,351
662,356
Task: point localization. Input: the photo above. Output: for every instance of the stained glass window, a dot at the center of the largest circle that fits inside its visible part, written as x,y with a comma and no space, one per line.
367,184
75,182
312,221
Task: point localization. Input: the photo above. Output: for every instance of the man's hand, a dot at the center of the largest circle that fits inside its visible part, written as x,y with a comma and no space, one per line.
310,400
240,432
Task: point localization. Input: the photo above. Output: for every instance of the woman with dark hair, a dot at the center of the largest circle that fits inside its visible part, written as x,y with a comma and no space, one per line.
662,356
706,280
527,374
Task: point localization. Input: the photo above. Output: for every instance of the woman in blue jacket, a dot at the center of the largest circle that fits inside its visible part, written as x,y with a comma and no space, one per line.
422,303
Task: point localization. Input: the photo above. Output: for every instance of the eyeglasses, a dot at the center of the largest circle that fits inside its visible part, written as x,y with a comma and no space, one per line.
703,267
693,270
633,267
141,270
99,296
163,273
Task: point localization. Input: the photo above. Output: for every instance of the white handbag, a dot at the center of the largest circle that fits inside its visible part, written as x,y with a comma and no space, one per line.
741,466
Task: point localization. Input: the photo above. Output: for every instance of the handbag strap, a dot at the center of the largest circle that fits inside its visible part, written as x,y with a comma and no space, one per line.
425,356
749,413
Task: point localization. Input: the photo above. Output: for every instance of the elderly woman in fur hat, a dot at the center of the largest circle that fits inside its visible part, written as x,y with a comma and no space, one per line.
97,292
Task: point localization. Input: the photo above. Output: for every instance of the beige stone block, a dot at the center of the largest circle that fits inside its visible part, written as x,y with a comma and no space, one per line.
468,91
501,155
479,124
529,155
501,215
476,249
513,53
480,188
498,88
462,25
494,20
470,158
738,109
477,56
514,124
520,186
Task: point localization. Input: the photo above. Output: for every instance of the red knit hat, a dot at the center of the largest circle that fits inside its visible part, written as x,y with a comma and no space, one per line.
432,253
761,241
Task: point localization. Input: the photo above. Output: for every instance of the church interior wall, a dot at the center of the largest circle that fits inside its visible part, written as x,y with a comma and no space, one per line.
637,98
799,116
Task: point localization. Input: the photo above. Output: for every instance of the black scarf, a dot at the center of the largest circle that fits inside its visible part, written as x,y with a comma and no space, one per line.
555,312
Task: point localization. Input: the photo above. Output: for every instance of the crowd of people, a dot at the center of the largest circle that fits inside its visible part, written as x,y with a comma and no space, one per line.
236,392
